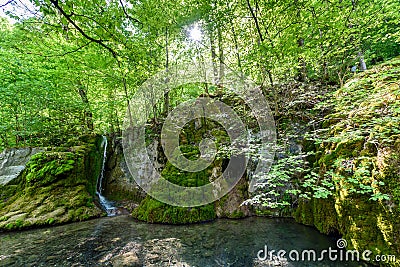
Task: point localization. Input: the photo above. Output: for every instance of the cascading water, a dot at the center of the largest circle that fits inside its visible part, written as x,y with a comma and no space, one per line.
107,205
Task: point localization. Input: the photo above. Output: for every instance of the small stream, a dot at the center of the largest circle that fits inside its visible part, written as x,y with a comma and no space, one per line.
122,241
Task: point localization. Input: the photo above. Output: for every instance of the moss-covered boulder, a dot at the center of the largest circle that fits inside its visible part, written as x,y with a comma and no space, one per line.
360,155
229,206
56,186
190,139
154,211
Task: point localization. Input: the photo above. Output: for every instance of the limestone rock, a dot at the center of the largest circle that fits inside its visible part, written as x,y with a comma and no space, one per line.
13,161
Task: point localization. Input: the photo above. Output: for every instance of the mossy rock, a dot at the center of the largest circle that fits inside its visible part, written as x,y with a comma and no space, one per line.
190,137
154,211
57,186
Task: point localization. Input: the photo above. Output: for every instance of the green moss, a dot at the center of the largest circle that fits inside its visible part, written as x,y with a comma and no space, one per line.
320,213
190,137
46,167
152,210
237,214
304,212
183,178
57,186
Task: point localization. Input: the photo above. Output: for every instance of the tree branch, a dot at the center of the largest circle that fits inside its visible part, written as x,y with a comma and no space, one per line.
95,21
253,15
97,41
9,2
127,15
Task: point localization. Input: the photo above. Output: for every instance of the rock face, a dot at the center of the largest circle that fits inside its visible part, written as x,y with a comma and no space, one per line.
230,206
56,186
152,253
121,186
169,252
13,161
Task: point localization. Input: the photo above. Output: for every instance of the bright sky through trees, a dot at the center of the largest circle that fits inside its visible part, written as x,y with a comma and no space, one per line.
20,8
195,33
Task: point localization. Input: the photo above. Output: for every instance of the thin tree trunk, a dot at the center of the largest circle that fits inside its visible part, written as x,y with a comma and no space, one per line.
302,64
88,113
221,59
239,61
324,63
17,129
263,69
166,94
253,15
128,102
213,57
274,93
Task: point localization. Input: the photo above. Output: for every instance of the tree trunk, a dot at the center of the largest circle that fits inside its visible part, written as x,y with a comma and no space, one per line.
239,61
88,113
302,64
221,59
263,69
274,92
213,57
363,65
17,129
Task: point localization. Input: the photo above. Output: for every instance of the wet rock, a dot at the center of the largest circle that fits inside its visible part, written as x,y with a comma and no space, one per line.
163,252
230,206
120,186
272,263
127,259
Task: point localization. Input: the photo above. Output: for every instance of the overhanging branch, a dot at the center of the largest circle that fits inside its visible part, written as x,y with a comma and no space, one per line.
8,2
81,31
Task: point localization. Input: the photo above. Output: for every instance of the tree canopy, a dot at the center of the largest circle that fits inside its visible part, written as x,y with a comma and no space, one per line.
70,67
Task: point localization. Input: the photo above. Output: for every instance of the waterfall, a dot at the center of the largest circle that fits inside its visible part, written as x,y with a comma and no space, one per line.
107,205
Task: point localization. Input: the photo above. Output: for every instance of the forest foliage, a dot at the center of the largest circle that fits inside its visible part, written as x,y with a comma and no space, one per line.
71,67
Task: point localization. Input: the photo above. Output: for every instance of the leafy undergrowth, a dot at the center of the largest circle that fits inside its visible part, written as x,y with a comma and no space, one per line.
357,166
278,190
361,137
57,186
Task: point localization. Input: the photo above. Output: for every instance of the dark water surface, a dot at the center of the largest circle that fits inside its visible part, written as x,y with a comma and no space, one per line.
119,241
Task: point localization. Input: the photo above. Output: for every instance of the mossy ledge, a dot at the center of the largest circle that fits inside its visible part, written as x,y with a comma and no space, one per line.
57,186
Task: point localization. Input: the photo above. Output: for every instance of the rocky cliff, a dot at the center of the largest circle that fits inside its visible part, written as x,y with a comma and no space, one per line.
13,161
